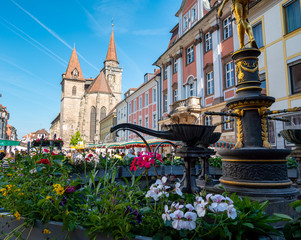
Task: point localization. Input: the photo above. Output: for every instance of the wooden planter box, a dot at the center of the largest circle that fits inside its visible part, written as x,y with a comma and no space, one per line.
8,224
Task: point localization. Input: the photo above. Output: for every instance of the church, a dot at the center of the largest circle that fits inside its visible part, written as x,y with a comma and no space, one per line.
84,102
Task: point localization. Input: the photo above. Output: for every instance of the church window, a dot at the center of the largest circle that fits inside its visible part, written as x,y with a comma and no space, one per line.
75,73
74,91
92,123
103,113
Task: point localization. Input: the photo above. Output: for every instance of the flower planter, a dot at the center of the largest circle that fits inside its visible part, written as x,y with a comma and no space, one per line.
177,170
9,223
292,172
216,172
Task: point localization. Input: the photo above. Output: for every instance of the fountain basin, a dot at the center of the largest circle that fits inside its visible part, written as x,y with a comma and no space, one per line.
293,136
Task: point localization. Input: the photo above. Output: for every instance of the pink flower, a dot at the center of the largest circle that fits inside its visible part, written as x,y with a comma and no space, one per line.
70,189
46,150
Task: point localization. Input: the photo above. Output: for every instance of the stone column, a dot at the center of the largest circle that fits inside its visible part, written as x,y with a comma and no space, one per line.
179,58
169,84
217,62
199,66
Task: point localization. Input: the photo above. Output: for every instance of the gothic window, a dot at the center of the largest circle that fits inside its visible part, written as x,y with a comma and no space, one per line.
103,113
92,123
75,73
74,91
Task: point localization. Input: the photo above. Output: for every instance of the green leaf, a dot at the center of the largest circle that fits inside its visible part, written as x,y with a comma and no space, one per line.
41,202
249,225
298,209
297,234
263,205
283,217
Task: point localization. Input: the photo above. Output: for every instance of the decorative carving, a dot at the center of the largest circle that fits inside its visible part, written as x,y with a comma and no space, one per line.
264,128
240,134
246,103
244,65
255,171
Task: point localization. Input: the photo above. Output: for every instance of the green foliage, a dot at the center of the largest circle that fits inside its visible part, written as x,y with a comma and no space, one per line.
292,230
75,139
215,162
291,163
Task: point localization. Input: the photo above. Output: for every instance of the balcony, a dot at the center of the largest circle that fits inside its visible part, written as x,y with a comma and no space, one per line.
186,110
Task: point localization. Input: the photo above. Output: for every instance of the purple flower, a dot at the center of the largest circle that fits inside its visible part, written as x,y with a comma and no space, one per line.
299,197
63,201
21,175
70,189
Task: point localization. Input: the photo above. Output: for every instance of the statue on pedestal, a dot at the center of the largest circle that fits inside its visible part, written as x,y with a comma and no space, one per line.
240,10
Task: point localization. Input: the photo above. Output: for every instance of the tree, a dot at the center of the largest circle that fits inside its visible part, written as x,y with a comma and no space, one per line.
75,139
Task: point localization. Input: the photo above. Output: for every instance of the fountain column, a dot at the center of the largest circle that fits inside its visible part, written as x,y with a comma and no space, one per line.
252,168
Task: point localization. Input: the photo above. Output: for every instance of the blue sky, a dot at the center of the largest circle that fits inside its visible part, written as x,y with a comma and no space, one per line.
37,38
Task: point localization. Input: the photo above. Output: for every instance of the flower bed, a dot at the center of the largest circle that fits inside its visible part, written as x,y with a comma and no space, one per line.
40,190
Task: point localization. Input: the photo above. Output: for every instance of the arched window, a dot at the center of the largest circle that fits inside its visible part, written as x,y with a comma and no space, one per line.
74,91
103,113
92,123
75,73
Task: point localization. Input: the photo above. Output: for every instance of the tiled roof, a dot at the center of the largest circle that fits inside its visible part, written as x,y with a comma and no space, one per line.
42,131
112,55
99,84
74,64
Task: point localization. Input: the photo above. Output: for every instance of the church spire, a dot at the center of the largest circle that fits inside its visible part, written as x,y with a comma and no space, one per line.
112,55
74,70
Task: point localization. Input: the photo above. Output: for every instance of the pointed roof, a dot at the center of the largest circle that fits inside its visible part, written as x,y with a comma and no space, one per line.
99,84
112,55
74,64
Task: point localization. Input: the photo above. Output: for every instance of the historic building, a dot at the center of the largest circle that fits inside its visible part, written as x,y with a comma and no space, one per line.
85,102
197,71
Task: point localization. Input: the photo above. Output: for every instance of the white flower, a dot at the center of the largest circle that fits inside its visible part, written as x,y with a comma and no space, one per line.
177,222
218,207
178,190
190,207
33,171
217,198
230,202
191,218
201,208
231,212
208,196
166,215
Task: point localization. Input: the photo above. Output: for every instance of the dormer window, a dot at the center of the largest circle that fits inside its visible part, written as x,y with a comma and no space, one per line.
185,22
75,73
193,14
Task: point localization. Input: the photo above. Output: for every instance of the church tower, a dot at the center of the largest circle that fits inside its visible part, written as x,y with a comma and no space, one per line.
73,88
112,70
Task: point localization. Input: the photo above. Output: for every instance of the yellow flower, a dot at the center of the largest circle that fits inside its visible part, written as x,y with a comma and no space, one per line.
46,231
58,189
5,193
21,194
8,187
18,190
56,185
2,216
9,174
17,215
48,197
67,212
2,189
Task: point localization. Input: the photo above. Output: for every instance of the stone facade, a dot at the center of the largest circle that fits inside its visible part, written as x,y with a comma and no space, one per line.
85,102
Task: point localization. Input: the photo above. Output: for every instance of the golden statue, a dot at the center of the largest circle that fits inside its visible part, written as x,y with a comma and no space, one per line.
240,10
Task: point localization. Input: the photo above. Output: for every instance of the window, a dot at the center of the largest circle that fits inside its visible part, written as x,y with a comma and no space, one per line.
189,55
145,78
257,30
175,66
191,91
118,115
185,22
154,94
272,133
75,73
146,99
135,106
165,72
193,14
292,14
229,75
295,77
92,123
74,91
103,113
228,125
140,122
208,120
227,28
146,122
165,103
175,95
154,121
124,111
130,108
210,84
140,102
208,42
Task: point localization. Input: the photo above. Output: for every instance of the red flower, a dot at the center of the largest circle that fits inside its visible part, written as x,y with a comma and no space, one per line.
46,150
133,165
53,154
45,162
87,159
70,189
90,155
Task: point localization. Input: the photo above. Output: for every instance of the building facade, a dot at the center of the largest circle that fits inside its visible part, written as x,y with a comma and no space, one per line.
197,70
4,116
85,102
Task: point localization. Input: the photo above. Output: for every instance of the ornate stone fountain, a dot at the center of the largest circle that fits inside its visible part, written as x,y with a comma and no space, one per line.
196,139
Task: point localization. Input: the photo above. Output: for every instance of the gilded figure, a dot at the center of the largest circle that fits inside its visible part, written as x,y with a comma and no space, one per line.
240,10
